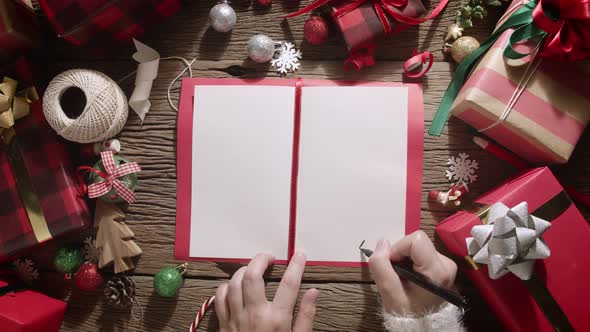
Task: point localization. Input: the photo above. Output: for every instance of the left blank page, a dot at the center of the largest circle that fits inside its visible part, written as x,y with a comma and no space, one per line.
241,175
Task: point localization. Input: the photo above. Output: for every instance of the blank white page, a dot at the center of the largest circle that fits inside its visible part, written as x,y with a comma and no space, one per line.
241,176
352,170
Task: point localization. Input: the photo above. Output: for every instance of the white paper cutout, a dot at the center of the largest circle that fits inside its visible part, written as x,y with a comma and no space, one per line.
287,59
462,169
510,242
147,71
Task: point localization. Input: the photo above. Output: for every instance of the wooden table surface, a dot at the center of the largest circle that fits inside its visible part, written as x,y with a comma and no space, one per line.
348,300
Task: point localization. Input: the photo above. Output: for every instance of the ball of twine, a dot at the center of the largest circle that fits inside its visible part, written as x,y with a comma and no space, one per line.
104,114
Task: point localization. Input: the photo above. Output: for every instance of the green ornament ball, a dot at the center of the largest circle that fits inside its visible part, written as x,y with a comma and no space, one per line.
67,260
129,181
168,281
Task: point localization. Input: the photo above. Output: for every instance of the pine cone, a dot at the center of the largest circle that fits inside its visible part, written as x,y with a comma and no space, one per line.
119,292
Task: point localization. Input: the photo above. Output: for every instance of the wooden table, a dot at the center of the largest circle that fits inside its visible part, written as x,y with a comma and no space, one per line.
348,300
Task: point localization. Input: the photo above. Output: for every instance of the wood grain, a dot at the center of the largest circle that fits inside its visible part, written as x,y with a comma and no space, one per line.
348,301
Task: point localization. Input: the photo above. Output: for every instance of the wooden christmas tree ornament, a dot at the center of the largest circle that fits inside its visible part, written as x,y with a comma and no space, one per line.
114,238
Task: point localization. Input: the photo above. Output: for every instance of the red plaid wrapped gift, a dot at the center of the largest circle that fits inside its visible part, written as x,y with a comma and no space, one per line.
19,30
364,22
101,24
38,187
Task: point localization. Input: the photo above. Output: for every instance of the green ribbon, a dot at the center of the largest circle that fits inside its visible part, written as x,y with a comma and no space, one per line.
524,29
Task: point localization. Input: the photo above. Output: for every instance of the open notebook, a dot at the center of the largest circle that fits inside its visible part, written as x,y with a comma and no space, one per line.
279,165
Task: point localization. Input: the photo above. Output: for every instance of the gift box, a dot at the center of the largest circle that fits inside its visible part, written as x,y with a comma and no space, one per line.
552,298
363,23
530,100
23,310
19,30
362,27
105,24
38,184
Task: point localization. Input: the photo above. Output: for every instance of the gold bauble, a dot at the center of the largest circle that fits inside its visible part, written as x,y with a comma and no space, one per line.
463,47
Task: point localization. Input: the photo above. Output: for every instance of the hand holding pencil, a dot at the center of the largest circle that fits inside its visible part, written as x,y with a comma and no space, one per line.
402,297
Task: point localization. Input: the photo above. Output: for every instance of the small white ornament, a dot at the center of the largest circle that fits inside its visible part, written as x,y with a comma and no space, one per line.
261,48
26,270
90,251
462,168
287,59
222,17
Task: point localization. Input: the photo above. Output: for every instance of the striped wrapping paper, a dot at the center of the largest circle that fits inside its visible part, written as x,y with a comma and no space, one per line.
548,118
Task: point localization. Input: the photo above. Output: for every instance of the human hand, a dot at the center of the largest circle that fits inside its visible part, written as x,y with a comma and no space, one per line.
403,297
242,306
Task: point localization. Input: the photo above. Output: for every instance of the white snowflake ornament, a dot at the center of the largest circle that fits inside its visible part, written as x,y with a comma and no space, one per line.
90,251
462,169
286,59
26,270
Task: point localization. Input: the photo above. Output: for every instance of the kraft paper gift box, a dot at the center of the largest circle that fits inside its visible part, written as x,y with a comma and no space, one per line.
547,119
555,295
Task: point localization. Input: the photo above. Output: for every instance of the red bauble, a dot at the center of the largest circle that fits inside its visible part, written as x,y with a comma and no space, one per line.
265,2
88,278
316,30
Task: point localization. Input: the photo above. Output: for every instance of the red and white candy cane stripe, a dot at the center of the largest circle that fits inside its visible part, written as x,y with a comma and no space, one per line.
200,314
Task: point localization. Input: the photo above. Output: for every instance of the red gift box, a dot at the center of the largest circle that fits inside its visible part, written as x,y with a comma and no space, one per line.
29,311
19,29
48,177
362,26
364,22
561,277
103,24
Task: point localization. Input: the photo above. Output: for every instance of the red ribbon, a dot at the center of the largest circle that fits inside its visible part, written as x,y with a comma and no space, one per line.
417,59
110,177
569,35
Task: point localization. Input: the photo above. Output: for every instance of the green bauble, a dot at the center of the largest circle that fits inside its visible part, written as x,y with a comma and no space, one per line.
67,260
167,281
130,180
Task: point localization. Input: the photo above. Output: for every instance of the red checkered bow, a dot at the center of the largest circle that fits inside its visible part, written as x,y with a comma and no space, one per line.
111,175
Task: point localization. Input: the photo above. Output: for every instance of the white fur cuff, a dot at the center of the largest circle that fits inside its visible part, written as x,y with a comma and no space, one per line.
447,319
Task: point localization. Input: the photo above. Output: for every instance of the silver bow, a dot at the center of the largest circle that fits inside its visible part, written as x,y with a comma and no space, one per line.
510,242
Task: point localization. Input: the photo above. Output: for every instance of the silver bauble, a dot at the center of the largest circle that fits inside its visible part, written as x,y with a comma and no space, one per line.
222,17
261,48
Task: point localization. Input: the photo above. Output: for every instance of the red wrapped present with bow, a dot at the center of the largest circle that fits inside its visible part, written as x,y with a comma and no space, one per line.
38,188
364,22
524,87
524,245
105,24
24,310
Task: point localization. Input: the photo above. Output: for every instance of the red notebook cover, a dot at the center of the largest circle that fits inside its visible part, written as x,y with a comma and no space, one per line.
185,158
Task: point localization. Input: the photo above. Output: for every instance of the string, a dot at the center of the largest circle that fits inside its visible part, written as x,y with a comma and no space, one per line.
188,66
190,74
140,310
522,84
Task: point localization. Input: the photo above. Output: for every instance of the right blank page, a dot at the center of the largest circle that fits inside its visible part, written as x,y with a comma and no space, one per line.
352,170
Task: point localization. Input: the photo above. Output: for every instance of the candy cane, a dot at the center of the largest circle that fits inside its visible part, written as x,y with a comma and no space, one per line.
200,314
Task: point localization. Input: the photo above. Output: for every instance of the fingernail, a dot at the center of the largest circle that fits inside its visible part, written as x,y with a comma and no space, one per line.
381,244
300,254
315,293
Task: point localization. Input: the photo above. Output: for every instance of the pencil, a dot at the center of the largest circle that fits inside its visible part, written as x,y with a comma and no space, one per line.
500,152
448,295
